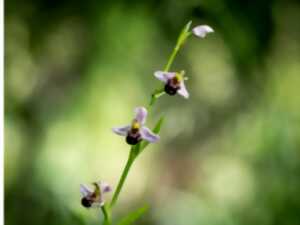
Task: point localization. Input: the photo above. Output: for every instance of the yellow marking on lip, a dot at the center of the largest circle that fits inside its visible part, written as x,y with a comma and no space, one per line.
178,77
136,125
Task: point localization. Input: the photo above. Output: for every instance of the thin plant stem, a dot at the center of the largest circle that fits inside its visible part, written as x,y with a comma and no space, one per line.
135,149
125,172
172,57
184,34
154,97
106,214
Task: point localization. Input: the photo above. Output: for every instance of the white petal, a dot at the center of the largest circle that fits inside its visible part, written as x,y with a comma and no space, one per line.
148,135
141,114
182,90
164,76
202,30
84,190
121,130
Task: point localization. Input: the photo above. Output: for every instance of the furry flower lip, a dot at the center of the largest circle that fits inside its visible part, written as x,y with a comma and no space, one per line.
202,30
174,82
94,198
137,131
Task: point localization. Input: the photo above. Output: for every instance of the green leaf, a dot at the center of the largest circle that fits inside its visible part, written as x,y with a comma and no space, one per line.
133,216
187,26
156,130
158,125
184,33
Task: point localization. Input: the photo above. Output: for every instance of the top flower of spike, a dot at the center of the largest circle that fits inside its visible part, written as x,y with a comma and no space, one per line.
137,131
202,30
174,82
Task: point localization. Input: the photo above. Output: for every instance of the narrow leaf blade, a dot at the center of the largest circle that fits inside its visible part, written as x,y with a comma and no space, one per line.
133,216
155,130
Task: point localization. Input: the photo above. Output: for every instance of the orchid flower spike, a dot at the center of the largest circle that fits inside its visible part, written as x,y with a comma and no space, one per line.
94,198
202,30
137,131
174,82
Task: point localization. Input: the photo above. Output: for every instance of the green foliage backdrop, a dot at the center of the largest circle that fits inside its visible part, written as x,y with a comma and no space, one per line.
229,155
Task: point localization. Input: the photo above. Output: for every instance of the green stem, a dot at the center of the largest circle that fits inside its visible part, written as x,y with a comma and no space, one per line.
156,94
154,97
125,172
184,34
106,214
172,56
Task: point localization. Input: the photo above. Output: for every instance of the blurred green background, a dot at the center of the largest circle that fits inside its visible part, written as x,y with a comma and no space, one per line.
228,155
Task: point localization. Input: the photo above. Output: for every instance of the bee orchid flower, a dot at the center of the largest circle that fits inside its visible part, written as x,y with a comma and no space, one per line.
137,131
174,82
94,198
202,30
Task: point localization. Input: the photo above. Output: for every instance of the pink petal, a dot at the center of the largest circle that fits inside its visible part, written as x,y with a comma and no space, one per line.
182,90
85,191
148,135
202,30
121,130
140,115
164,76
105,187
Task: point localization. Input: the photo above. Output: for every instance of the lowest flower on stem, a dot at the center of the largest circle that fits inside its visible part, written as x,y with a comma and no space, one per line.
94,198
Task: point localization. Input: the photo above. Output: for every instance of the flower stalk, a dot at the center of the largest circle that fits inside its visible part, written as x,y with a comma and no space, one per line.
130,160
106,213
156,94
137,134
184,34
